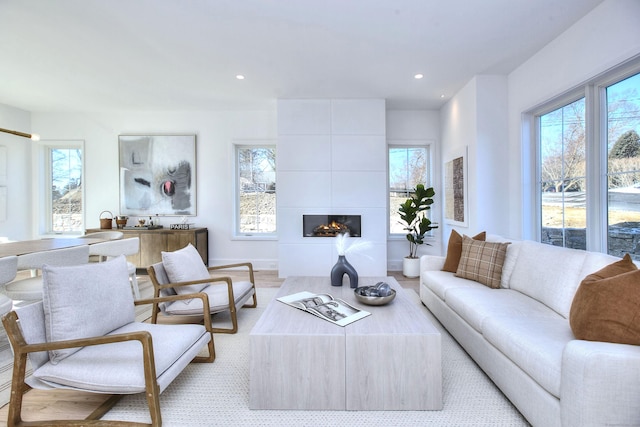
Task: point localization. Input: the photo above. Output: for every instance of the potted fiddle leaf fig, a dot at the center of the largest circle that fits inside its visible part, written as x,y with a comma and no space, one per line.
413,215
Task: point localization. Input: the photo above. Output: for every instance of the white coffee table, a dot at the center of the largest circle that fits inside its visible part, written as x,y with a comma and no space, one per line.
390,360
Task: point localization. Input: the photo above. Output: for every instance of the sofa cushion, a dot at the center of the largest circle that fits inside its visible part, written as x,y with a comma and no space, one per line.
476,305
607,303
482,261
185,265
454,250
85,301
439,282
550,274
533,343
596,261
510,258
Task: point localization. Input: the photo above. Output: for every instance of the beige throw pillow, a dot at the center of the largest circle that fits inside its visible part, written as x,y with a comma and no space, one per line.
482,261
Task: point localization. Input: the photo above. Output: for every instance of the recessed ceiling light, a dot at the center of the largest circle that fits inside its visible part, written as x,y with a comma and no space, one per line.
240,77
442,96
418,76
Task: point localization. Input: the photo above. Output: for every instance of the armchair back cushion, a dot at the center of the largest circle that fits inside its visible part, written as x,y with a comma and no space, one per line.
85,301
185,265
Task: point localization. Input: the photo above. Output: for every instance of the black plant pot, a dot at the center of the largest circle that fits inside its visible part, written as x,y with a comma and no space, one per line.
341,268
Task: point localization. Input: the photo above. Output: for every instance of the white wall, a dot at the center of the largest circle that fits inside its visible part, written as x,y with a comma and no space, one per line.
216,131
473,123
17,225
490,209
606,37
331,161
417,127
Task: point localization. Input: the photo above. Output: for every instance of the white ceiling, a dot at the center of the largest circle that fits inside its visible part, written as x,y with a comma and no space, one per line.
145,55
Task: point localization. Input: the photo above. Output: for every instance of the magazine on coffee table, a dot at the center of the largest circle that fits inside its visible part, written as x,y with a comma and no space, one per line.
325,307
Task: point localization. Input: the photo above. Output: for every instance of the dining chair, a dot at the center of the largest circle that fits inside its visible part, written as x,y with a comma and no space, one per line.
8,270
113,248
30,289
106,235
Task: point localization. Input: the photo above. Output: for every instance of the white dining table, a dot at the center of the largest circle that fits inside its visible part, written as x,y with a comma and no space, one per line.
40,245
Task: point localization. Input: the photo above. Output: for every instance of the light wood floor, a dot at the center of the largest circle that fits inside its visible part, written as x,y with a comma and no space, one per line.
67,404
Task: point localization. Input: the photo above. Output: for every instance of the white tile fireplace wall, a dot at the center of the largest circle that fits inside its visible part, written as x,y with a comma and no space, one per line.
332,159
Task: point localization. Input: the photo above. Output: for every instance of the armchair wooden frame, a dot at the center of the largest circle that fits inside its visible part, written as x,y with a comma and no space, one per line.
21,350
232,307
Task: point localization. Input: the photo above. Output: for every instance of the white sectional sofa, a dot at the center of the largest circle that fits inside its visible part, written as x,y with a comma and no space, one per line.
520,336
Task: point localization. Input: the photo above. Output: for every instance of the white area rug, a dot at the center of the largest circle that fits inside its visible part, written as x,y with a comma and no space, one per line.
218,393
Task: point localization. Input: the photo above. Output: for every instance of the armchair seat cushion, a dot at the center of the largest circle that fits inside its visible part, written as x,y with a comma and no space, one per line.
218,299
118,367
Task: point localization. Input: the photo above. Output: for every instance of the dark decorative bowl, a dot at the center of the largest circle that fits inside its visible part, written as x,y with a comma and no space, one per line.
372,300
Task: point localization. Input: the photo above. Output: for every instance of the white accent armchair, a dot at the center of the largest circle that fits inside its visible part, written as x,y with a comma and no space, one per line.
84,336
183,272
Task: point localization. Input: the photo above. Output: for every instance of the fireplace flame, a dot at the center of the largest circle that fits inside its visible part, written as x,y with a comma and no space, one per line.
332,229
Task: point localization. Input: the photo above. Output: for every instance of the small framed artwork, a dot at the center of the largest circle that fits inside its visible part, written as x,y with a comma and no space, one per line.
455,190
157,175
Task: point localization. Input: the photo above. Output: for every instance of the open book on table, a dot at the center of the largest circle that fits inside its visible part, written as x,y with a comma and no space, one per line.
325,306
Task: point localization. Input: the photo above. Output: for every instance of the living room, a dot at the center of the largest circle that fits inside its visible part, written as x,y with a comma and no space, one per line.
484,115
487,119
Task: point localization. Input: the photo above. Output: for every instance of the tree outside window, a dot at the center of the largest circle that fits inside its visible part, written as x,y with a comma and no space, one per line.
562,172
623,165
65,182
408,167
256,177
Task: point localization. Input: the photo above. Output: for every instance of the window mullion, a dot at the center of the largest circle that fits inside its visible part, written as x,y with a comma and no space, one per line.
596,174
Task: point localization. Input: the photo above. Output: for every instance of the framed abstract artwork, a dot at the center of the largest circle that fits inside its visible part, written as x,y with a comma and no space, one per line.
455,191
157,175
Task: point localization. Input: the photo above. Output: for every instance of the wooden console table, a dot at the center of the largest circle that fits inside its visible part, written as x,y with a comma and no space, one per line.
153,242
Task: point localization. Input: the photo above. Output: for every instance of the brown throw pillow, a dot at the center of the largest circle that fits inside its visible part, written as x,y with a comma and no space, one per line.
606,306
454,250
482,261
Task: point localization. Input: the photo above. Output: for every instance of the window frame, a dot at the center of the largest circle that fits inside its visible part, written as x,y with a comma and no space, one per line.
429,146
237,234
546,109
594,92
43,186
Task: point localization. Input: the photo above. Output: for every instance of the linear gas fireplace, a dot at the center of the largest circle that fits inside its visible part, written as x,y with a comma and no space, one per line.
330,225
